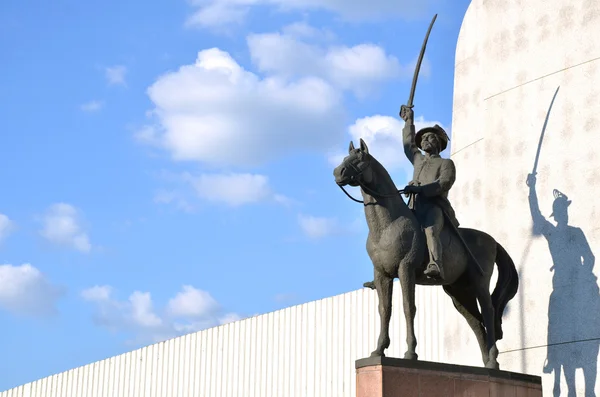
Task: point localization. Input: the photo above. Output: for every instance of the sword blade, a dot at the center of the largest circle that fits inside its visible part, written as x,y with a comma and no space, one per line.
418,66
539,149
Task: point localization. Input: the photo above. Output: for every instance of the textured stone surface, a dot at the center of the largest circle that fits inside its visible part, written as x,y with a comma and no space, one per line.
387,377
515,55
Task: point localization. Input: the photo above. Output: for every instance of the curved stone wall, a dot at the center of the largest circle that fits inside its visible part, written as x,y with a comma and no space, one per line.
511,58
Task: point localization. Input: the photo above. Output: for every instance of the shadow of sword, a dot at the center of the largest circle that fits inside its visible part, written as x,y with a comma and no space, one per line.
539,149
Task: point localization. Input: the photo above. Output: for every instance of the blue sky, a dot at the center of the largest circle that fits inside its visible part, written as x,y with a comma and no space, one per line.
167,165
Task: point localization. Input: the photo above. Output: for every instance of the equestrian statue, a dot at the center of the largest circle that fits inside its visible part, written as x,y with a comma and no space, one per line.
421,242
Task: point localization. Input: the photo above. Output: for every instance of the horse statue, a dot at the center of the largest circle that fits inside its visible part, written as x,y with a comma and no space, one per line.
397,247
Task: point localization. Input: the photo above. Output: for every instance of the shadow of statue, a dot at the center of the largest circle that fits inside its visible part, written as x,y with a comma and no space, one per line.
575,299
574,307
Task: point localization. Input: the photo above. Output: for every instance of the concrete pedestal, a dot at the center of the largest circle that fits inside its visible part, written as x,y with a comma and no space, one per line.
394,377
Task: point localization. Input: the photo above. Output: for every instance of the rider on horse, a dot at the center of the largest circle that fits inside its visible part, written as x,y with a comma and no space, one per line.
428,191
432,179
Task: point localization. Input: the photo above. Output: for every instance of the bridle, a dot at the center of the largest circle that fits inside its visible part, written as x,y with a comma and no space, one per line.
363,186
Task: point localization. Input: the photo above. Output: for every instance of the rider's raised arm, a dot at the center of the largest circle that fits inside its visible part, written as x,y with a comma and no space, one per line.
408,139
444,182
541,226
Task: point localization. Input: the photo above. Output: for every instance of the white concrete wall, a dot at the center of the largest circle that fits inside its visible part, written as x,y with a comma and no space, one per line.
511,57
302,351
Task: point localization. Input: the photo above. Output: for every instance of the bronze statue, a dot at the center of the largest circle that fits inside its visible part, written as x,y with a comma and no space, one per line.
412,241
397,247
433,177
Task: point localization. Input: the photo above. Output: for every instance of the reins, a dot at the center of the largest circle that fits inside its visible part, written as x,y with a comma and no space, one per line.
365,187
371,192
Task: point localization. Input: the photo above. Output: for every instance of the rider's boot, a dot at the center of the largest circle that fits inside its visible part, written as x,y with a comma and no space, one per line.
434,268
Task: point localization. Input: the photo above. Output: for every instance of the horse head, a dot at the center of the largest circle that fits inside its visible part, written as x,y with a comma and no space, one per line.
355,169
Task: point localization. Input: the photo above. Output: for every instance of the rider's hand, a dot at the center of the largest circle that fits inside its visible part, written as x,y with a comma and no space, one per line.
531,179
407,113
412,189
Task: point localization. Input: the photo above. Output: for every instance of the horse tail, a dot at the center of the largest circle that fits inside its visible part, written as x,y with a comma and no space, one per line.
506,286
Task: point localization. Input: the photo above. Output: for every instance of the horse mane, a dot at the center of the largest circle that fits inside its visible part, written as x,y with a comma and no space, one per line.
382,172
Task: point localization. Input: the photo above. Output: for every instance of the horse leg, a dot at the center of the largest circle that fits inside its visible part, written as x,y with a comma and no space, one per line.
383,285
556,389
465,303
487,310
407,283
590,371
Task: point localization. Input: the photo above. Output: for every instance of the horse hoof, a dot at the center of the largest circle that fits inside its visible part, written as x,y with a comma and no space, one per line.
377,354
369,284
492,365
410,356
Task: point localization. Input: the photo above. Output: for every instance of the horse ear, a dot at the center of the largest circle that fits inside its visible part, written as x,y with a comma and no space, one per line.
363,146
351,148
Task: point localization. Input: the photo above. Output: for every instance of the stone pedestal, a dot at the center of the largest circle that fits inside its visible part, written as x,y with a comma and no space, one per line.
394,377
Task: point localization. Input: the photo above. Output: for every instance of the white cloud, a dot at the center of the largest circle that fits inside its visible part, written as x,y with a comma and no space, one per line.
318,227
216,15
25,290
92,106
383,136
213,13
176,198
234,189
227,189
191,302
304,30
97,293
142,310
358,68
190,310
229,318
115,75
215,112
61,225
136,314
6,226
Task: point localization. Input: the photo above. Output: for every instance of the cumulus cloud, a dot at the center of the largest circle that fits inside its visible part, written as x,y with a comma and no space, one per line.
229,318
215,112
92,106
6,226
97,293
303,30
214,13
383,136
135,314
358,69
25,290
175,197
234,189
62,226
315,227
226,189
318,227
115,75
190,310
192,302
